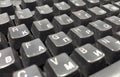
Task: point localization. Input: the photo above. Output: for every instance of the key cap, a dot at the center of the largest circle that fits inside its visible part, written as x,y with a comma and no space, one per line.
42,28
3,41
5,22
56,1
31,4
9,62
58,43
61,8
117,35
24,16
92,3
100,29
111,47
81,17
81,35
47,2
111,9
105,1
77,5
115,0
110,71
18,34
89,59
6,6
34,52
15,3
117,4
97,13
44,11
31,71
114,21
62,22
61,66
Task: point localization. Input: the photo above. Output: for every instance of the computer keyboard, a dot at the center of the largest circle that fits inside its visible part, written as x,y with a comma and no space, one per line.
59,38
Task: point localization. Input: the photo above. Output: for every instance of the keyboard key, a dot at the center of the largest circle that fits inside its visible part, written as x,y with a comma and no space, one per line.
111,9
61,66
110,71
3,41
42,28
117,4
89,59
56,1
77,5
31,71
58,43
81,35
47,2
44,11
62,22
24,16
61,8
5,22
34,52
17,35
15,3
114,21
31,4
9,61
117,35
97,13
111,47
6,6
92,3
105,1
100,28
81,17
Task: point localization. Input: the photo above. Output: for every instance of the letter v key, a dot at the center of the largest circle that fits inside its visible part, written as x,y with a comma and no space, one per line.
54,61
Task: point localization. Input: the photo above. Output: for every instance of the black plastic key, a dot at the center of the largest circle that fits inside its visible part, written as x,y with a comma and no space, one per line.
24,16
114,21
6,6
31,71
111,9
34,52
117,4
117,35
92,3
58,43
18,34
56,1
100,28
81,35
9,62
31,4
61,8
44,11
42,28
111,47
105,1
81,17
77,5
97,13
47,2
89,59
110,71
16,2
62,22
61,66
3,41
5,23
